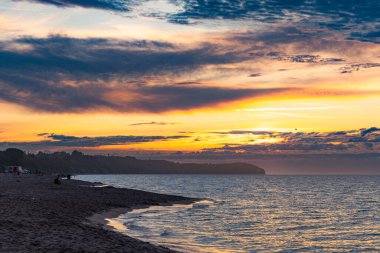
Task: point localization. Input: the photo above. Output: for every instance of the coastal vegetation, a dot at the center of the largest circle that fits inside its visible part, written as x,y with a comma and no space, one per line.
79,163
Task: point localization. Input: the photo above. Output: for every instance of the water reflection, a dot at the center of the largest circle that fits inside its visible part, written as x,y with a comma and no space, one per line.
258,213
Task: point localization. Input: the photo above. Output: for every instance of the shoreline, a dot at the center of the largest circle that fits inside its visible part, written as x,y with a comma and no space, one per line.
39,216
102,219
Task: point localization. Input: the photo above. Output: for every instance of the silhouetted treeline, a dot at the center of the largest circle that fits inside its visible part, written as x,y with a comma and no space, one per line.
79,163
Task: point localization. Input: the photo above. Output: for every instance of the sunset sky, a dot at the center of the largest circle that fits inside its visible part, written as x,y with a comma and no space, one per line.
291,85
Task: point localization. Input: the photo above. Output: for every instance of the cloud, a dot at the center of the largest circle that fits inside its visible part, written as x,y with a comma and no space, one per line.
303,58
361,141
298,45
365,132
111,5
359,66
358,19
274,36
353,141
109,57
43,134
153,123
331,13
255,75
369,36
62,74
58,140
295,43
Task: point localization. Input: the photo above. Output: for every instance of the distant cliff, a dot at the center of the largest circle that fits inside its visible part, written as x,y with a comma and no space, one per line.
79,163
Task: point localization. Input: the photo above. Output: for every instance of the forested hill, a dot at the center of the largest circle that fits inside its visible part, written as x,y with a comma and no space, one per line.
79,163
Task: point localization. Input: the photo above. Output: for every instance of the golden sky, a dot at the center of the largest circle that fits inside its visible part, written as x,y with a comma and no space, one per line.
173,76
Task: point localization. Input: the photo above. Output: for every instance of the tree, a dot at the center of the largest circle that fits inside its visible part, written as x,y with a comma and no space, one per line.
14,156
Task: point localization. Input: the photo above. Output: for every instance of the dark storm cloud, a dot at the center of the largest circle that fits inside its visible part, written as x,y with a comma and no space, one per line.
60,74
57,140
363,140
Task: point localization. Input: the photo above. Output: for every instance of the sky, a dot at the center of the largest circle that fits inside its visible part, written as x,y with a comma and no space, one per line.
292,86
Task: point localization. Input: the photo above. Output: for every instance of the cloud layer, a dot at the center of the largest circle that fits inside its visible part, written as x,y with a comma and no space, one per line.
366,140
111,5
354,141
303,58
358,19
61,74
356,67
58,140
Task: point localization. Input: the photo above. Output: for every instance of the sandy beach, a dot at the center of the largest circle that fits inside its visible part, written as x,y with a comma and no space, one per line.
38,216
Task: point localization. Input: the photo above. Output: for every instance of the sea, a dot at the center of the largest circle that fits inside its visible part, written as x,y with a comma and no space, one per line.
256,213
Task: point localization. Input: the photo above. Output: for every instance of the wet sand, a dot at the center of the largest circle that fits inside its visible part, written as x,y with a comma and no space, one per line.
39,216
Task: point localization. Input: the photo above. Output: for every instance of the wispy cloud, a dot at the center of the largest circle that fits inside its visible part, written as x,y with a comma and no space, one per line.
110,5
352,141
59,140
303,58
255,75
358,66
269,109
154,123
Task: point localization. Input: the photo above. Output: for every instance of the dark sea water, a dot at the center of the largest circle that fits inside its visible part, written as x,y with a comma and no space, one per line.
249,213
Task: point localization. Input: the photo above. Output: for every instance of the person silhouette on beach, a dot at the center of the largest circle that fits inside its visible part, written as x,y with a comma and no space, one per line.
57,181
